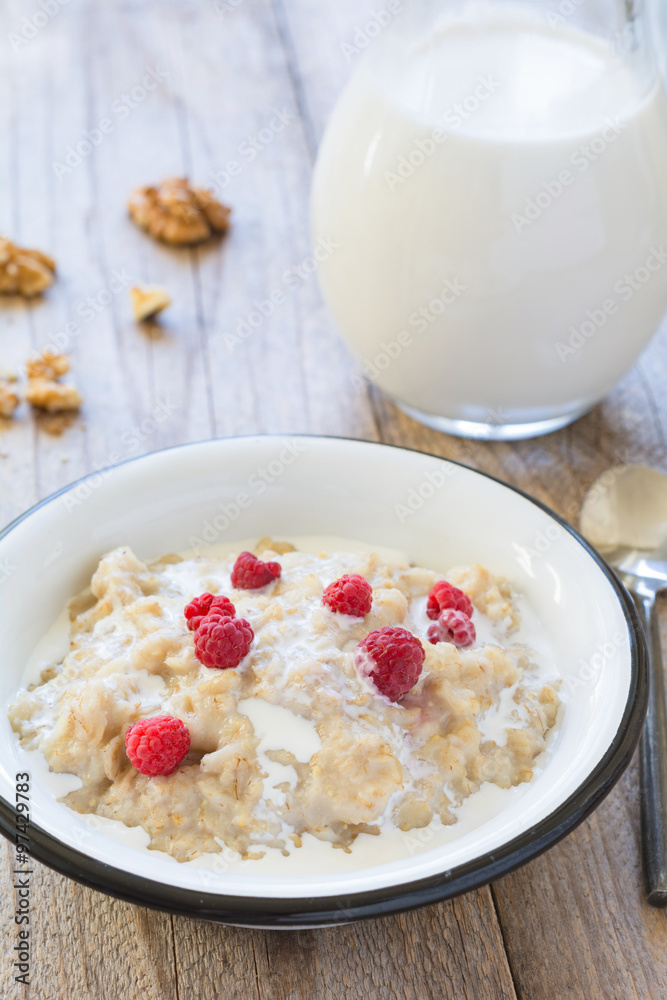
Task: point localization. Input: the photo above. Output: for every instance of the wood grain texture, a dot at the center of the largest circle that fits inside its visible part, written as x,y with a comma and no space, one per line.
451,951
580,909
570,925
85,944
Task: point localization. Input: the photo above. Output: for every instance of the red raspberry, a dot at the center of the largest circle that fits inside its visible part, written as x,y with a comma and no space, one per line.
452,626
157,745
392,658
446,595
222,642
202,605
250,573
351,595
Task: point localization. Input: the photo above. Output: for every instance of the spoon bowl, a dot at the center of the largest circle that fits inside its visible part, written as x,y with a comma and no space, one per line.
626,508
624,515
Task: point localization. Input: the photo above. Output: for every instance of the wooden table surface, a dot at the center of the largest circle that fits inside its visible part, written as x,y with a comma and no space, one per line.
570,925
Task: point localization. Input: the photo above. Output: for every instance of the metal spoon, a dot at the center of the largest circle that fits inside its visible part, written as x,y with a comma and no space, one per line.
624,515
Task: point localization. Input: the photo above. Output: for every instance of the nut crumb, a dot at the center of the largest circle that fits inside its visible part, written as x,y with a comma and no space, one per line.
24,272
148,300
54,397
9,400
47,365
178,213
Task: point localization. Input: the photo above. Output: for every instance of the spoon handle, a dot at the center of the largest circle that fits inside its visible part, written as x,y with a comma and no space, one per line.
653,764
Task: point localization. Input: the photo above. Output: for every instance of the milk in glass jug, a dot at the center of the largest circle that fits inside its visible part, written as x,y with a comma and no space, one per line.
493,188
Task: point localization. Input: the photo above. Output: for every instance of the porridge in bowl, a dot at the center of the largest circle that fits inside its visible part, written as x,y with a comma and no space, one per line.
407,690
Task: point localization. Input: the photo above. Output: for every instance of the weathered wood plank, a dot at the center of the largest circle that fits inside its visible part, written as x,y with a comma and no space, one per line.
85,945
575,922
448,952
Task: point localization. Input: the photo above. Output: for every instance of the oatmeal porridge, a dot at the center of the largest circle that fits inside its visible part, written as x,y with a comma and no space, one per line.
390,695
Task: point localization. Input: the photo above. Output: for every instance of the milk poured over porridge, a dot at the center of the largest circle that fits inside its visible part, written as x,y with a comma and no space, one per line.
295,743
497,199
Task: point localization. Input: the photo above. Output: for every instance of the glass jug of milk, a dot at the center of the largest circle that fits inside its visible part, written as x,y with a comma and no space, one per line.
493,188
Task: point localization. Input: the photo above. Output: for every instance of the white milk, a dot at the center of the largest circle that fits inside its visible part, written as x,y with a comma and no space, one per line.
497,200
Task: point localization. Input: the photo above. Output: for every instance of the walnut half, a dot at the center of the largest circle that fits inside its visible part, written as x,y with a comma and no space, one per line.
24,272
178,213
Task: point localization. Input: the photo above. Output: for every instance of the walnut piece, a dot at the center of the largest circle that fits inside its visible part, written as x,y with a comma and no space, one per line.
24,272
176,212
47,365
8,400
54,397
148,300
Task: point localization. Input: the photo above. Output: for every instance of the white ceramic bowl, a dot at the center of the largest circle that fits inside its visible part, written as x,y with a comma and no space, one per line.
440,514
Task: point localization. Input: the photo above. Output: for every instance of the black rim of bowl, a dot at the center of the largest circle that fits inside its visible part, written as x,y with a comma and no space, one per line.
251,911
